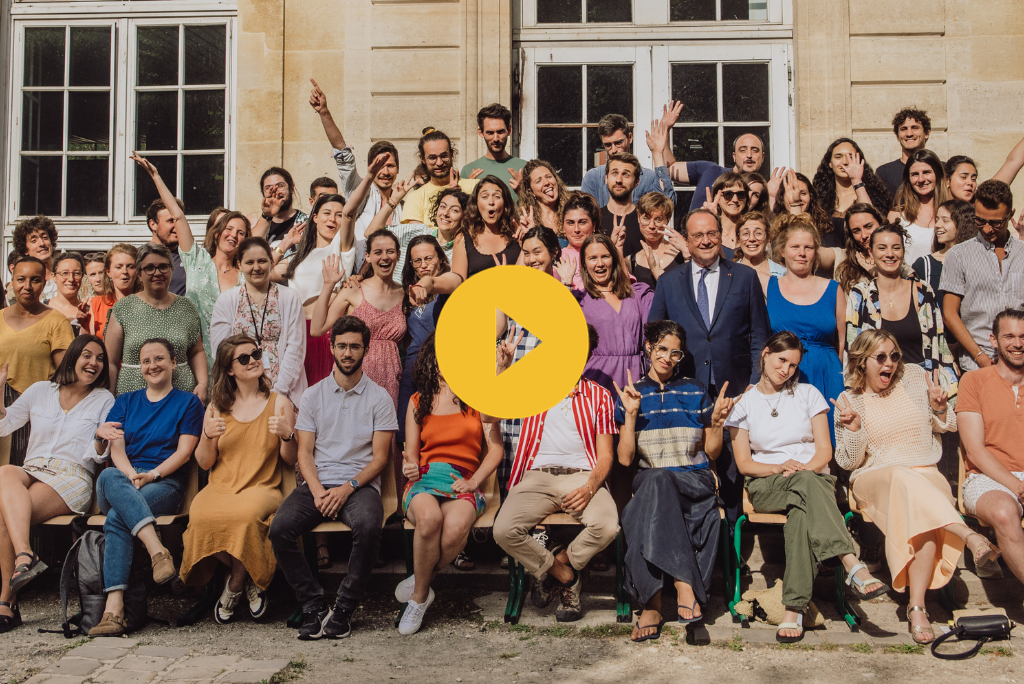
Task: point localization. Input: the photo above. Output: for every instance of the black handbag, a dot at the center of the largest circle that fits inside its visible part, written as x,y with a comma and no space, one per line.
982,628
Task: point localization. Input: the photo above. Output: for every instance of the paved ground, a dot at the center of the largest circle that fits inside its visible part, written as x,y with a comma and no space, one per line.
465,640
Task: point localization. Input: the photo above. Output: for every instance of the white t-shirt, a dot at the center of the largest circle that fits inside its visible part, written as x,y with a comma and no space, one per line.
920,241
774,441
560,441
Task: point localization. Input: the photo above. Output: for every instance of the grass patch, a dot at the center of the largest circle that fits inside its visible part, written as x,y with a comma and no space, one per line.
76,643
293,670
520,628
606,631
905,649
560,631
794,647
493,624
997,651
348,659
508,656
736,644
828,646
863,647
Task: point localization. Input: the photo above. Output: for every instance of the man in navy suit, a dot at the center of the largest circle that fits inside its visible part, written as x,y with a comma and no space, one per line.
721,307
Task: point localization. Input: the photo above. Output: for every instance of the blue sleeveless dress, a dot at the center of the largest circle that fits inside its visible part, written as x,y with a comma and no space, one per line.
815,325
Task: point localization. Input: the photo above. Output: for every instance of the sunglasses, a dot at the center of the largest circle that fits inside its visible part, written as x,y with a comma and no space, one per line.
255,355
729,194
95,256
995,223
881,357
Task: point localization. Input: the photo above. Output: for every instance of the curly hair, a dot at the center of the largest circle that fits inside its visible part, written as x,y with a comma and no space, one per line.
857,359
821,219
765,221
583,202
473,222
224,385
825,180
458,193
528,201
427,375
30,226
914,113
907,202
962,214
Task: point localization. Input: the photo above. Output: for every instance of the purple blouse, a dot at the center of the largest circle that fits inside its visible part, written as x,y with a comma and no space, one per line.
621,336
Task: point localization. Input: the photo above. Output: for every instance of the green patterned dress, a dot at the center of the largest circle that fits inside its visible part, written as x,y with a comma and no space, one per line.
178,323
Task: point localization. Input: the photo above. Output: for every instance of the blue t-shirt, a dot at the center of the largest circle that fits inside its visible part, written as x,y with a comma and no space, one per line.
151,429
670,425
702,175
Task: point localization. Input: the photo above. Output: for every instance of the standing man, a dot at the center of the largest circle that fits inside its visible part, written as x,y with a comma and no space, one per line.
344,428
982,276
721,307
437,156
162,226
622,173
617,138
747,157
912,128
494,125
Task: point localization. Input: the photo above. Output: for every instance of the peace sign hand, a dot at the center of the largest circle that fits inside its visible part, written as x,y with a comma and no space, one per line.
653,261
502,262
515,179
507,349
937,396
629,396
618,235
849,418
723,407
712,204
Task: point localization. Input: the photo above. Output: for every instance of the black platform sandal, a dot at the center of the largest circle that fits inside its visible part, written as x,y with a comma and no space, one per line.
8,622
29,571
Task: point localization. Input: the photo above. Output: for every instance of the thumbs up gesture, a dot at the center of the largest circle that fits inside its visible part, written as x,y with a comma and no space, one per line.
213,425
280,424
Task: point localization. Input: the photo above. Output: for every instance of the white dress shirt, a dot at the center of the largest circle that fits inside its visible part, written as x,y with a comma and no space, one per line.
710,282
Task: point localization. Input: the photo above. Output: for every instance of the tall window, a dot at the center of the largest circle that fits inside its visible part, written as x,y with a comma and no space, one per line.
90,92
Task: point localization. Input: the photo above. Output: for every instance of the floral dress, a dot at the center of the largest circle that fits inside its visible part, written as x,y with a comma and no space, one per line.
263,324
203,288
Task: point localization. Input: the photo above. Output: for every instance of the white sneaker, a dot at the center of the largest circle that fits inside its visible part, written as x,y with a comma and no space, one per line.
988,569
412,618
403,592
257,599
541,537
224,611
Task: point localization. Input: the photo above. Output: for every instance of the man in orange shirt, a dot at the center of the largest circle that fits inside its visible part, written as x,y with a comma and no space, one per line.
990,413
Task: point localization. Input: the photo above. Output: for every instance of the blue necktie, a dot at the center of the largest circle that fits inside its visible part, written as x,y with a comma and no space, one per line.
702,299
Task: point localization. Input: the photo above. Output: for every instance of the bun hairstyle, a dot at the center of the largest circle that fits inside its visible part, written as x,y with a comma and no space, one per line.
431,134
785,225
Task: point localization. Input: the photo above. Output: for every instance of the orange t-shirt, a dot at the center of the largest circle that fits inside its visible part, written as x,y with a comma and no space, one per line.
454,439
984,391
99,308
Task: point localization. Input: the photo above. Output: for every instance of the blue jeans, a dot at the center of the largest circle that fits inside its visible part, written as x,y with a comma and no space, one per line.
128,510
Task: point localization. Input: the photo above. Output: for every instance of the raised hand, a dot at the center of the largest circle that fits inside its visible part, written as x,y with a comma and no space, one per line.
461,486
476,173
618,235
566,268
723,407
678,242
332,270
506,350
854,167
653,261
712,204
279,425
377,164
270,206
516,179
670,113
317,99
628,395
1017,225
145,164
453,178
403,188
937,396
792,193
657,137
849,418
213,424
410,470
775,182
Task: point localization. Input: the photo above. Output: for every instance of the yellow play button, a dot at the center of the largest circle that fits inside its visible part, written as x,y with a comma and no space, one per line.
465,341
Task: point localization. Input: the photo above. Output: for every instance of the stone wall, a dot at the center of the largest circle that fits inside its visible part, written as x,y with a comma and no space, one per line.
388,67
859,61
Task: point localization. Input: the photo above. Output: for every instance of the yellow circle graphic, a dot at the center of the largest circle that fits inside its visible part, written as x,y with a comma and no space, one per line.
465,341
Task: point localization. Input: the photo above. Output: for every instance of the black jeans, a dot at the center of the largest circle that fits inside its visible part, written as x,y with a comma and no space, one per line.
297,515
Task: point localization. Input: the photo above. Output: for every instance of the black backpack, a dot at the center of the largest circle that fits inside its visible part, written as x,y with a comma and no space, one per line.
83,569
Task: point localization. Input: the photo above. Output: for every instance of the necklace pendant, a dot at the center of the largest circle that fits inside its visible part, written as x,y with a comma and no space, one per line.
775,413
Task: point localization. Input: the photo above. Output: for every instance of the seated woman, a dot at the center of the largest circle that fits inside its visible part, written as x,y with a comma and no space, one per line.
161,426
71,408
451,450
780,439
671,524
887,432
247,433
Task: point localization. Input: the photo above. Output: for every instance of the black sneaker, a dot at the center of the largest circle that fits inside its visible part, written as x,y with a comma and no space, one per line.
314,622
338,627
542,590
570,609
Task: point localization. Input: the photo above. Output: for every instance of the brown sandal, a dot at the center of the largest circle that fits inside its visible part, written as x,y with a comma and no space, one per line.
163,567
110,625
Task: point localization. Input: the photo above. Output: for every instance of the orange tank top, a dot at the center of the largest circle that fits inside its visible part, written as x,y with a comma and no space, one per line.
453,439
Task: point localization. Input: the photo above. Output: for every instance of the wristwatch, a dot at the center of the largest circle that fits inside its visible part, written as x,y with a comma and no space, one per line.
355,484
266,217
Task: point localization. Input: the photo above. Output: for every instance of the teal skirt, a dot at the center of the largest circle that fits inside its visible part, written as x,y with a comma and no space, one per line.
436,480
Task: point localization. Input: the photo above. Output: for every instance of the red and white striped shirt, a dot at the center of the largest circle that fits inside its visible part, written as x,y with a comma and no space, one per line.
594,413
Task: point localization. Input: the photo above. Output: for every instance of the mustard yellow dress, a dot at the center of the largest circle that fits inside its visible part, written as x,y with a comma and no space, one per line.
233,512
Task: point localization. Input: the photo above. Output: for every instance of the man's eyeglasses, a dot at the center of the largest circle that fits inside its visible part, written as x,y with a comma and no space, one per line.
434,158
255,355
894,357
728,195
150,269
267,189
699,237
995,223
341,346
673,354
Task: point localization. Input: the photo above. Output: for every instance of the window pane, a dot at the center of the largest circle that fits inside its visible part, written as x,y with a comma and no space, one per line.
561,147
88,121
745,92
203,183
156,121
42,121
696,86
733,132
609,91
607,10
559,94
90,56
158,55
88,179
40,186
559,11
692,10
752,10
204,119
205,50
695,144
44,56
145,193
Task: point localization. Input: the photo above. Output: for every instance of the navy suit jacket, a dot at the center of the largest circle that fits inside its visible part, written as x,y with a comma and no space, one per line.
739,324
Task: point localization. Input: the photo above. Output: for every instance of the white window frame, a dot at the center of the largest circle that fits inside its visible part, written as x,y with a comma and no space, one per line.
119,224
657,12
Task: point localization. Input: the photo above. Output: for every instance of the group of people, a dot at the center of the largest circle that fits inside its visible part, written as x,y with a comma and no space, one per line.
780,336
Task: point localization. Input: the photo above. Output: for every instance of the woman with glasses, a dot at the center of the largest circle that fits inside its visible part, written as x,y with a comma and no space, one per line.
752,250
663,248
68,271
812,307
155,312
120,279
888,426
407,232
729,198
780,439
954,223
247,440
671,524
923,190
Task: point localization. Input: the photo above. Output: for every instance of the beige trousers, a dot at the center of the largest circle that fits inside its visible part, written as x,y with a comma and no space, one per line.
537,496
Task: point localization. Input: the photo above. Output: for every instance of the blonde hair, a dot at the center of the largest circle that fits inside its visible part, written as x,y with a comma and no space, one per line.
654,201
109,292
785,225
858,354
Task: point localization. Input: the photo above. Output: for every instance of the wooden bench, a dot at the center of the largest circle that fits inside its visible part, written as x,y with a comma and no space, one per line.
179,518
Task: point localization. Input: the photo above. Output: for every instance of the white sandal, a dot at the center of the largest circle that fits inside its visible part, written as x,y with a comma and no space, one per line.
799,624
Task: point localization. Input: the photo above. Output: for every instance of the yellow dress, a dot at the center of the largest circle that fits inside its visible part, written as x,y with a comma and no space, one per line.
233,512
